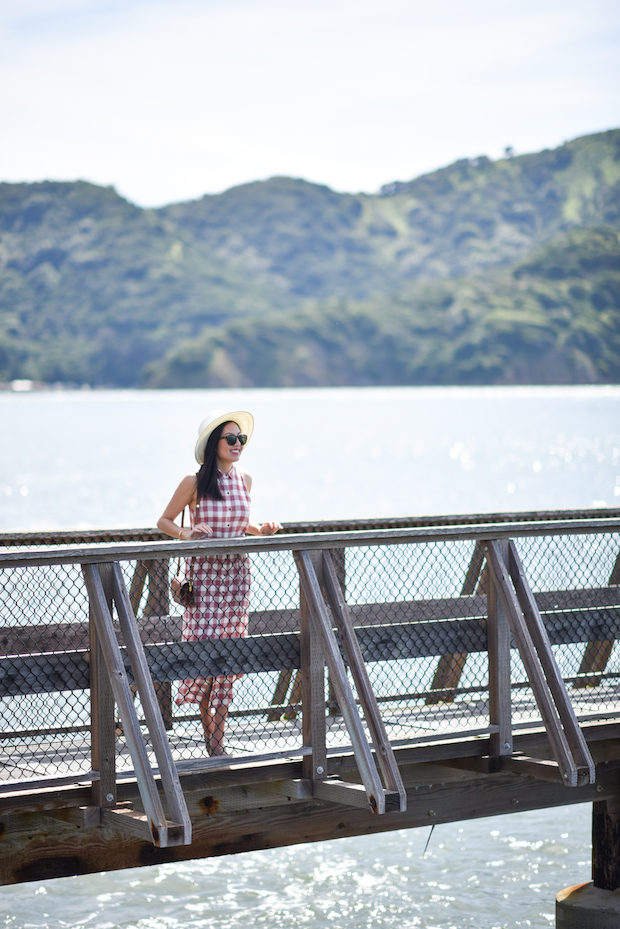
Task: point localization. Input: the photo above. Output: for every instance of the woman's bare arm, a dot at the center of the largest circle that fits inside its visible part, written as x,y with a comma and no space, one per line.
268,528
184,495
255,528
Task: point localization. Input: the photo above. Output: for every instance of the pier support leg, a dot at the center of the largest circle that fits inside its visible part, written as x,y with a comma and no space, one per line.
585,906
606,844
596,904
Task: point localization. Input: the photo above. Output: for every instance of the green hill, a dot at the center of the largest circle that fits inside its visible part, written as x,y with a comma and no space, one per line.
469,216
555,318
92,287
480,272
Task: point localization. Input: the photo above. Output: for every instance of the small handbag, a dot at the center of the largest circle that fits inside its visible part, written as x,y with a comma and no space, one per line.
181,586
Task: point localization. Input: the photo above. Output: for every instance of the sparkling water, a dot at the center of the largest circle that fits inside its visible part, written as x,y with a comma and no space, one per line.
106,459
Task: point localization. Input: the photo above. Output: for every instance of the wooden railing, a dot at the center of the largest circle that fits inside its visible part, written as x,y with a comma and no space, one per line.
482,619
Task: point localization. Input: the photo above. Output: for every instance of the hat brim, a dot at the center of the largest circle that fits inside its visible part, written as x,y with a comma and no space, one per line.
244,420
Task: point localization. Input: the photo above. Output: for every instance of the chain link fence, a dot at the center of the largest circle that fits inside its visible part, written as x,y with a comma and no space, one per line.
419,610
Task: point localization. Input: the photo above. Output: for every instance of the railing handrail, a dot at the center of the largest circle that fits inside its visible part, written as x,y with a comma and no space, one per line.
128,551
151,534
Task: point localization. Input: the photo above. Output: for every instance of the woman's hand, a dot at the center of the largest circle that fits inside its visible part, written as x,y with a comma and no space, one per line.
269,528
200,531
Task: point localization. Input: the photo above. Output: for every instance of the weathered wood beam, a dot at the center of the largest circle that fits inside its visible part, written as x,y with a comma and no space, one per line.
542,769
500,707
30,851
84,817
348,793
102,721
312,685
570,616
76,536
47,673
131,551
603,740
138,825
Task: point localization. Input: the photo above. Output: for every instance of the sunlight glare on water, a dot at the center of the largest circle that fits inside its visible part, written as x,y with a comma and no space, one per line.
111,459
498,873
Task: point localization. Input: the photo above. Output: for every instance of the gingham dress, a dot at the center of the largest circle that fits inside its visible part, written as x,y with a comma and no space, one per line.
221,586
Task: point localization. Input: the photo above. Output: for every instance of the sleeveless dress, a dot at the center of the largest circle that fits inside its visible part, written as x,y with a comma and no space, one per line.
221,586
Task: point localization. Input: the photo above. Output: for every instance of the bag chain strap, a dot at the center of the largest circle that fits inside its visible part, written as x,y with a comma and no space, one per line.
191,564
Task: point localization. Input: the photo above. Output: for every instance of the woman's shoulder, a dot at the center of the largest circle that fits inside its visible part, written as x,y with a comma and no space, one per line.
190,480
188,486
246,478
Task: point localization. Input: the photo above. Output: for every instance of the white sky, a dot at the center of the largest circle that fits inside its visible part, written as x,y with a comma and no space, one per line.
171,99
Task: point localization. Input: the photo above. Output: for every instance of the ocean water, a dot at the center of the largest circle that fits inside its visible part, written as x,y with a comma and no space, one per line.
497,873
112,459
105,459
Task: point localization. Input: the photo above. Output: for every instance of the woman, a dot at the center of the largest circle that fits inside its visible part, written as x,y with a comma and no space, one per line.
218,497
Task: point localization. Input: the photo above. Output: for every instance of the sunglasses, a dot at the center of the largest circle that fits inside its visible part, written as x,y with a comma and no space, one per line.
232,439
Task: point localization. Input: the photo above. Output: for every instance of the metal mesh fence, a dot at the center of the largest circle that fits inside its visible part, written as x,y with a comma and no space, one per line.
420,637
420,615
44,682
575,579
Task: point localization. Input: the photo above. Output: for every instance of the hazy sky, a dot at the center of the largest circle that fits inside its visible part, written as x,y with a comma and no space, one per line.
171,99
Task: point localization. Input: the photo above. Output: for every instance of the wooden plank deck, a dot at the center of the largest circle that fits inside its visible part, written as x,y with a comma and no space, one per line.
252,739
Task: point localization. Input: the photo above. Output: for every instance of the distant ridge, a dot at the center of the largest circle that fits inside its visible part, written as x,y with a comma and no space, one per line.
479,272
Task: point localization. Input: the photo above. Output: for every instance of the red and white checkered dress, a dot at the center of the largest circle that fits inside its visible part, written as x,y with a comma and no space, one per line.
221,586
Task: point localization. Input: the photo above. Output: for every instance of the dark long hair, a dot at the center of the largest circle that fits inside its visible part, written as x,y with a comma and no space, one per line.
206,478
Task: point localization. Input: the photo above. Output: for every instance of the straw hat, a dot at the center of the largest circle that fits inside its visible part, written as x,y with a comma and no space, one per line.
244,420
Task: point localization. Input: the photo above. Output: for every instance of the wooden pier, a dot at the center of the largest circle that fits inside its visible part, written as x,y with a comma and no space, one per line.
395,675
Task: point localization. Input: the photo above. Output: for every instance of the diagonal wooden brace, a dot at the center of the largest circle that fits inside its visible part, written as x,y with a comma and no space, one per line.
565,737
163,833
323,628
152,711
352,652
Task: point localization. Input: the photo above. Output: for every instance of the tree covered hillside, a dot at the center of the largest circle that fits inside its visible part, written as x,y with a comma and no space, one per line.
552,319
481,272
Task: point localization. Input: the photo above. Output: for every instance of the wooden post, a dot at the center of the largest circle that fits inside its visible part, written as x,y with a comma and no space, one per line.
337,556
338,559
279,697
606,844
498,637
158,604
597,654
595,905
314,766
102,723
137,585
450,667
